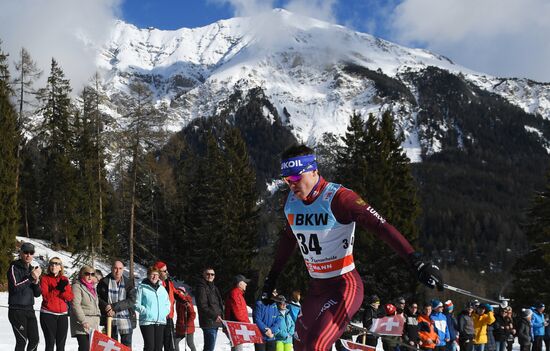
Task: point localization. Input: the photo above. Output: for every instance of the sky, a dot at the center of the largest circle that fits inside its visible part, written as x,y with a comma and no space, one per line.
505,38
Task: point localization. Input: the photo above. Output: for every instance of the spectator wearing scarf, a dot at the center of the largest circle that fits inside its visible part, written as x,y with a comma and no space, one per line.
85,309
117,297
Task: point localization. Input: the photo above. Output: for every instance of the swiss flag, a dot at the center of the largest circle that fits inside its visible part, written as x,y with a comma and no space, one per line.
389,325
241,333
351,346
101,342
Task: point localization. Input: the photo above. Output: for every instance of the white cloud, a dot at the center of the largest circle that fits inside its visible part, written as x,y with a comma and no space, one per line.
319,9
499,37
62,29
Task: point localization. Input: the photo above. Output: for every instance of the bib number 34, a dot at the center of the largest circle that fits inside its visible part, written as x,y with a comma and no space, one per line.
311,245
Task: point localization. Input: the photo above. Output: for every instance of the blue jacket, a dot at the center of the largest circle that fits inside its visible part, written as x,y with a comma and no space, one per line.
294,310
286,327
537,323
152,303
452,324
266,316
440,324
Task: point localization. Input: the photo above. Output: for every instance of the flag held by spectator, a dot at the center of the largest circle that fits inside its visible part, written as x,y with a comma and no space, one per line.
389,325
241,333
101,342
351,346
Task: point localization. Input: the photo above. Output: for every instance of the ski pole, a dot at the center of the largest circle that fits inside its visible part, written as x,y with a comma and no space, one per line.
468,293
364,331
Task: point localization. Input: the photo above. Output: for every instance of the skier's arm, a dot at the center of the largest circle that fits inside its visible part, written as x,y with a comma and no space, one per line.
285,248
348,207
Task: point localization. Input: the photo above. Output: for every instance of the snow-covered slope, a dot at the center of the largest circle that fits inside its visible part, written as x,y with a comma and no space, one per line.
297,60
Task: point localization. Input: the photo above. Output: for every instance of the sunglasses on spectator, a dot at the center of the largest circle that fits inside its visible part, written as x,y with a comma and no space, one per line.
89,274
163,270
55,263
210,274
28,252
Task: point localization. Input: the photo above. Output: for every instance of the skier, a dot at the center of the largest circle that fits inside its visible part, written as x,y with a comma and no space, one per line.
321,218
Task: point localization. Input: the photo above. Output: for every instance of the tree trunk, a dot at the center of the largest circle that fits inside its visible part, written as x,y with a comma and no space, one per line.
132,220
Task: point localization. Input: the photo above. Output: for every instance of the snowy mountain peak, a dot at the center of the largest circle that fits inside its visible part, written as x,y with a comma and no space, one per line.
298,61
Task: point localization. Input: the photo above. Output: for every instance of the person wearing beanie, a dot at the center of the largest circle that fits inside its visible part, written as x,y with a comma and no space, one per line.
391,342
440,323
426,329
524,330
452,324
537,325
466,328
372,311
23,287
482,316
173,295
185,322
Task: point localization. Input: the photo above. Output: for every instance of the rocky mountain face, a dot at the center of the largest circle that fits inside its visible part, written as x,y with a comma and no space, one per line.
480,143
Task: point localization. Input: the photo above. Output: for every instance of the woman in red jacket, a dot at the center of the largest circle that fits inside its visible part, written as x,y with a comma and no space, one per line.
185,323
56,293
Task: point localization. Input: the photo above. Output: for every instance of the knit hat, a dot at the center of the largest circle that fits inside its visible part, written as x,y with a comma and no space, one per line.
526,312
436,303
539,305
159,265
449,305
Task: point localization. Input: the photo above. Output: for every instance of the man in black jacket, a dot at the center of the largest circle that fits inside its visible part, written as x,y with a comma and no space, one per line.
23,287
210,308
372,311
117,297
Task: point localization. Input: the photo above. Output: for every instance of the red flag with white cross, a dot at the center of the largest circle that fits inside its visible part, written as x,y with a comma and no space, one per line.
352,346
242,333
101,342
389,325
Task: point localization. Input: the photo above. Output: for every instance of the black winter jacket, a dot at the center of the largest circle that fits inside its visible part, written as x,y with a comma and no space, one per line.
524,331
21,286
127,304
209,304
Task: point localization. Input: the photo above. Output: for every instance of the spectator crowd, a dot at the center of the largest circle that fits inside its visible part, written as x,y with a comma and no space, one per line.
166,313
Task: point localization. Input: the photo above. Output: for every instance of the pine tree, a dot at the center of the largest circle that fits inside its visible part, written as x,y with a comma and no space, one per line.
532,271
60,192
9,141
373,164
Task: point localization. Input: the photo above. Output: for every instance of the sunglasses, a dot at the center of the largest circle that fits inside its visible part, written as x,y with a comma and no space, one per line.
28,252
297,177
163,271
89,274
210,274
55,263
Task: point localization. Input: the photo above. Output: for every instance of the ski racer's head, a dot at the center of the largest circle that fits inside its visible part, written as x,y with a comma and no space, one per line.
299,170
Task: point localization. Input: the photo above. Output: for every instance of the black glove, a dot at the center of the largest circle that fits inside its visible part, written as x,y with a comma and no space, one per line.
269,286
427,273
62,284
